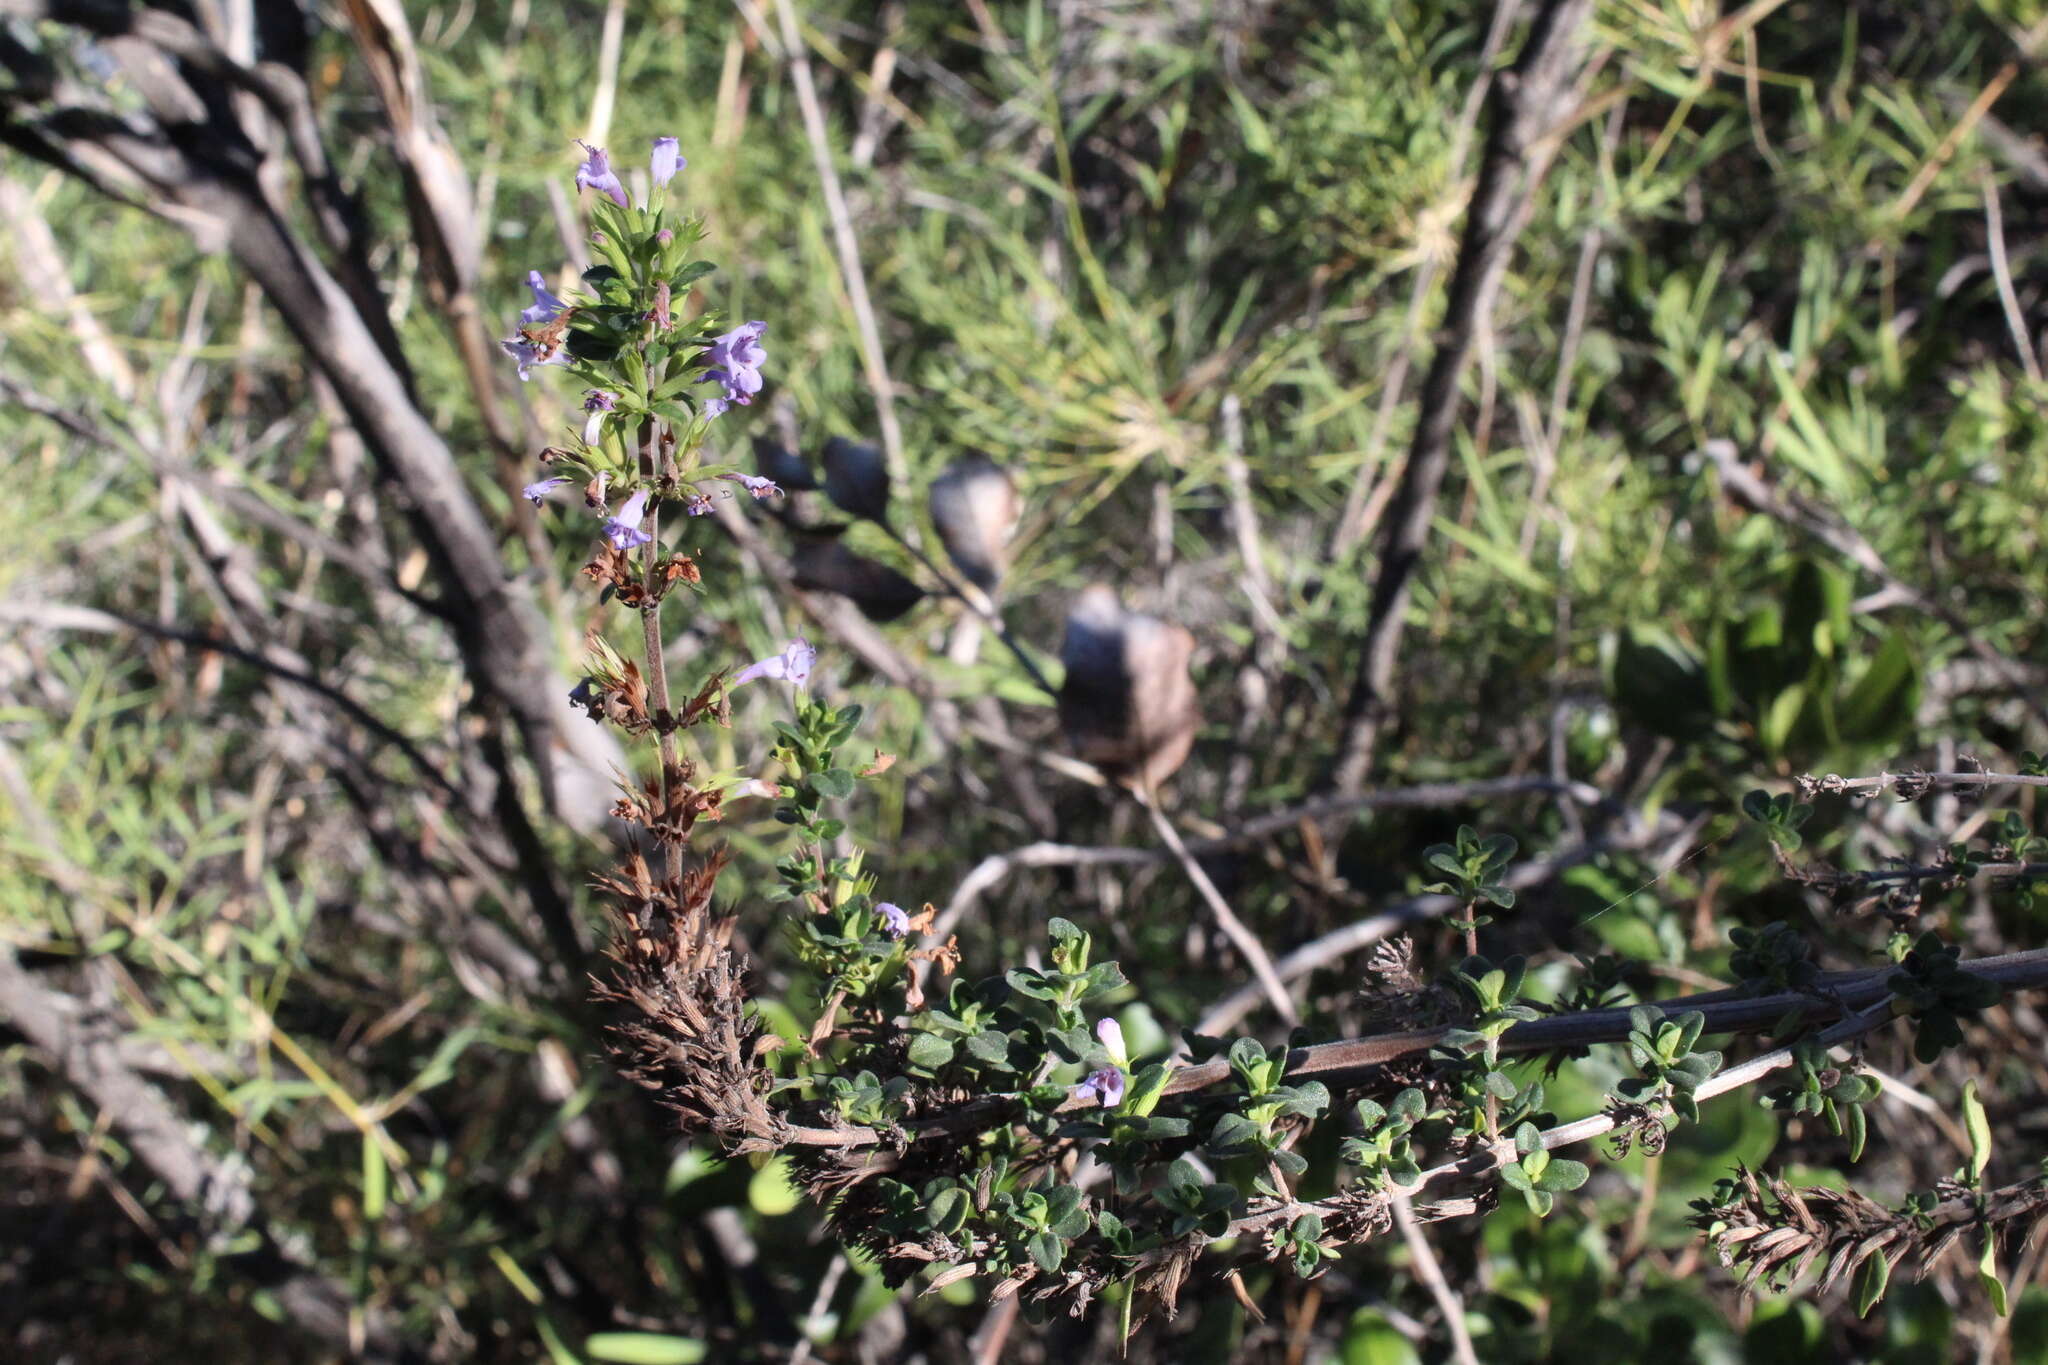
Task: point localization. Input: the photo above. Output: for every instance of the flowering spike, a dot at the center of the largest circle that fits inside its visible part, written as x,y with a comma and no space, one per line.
596,174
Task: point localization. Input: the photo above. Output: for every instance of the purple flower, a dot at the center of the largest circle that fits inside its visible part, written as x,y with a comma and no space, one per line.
792,665
528,355
697,505
755,484
596,174
895,923
1111,1034
623,530
735,361
596,402
1104,1087
666,161
536,492
546,307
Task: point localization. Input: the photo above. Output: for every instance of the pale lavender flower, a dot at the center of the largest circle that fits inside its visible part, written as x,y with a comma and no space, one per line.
1104,1087
755,484
596,402
546,307
596,174
895,923
696,505
792,665
666,161
1111,1035
735,361
623,530
528,356
536,493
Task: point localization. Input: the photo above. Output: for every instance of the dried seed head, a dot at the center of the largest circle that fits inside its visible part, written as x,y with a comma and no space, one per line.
826,564
1128,704
974,507
856,479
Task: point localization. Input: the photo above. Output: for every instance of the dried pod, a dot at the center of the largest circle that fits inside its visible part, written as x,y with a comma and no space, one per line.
775,461
856,479
826,564
974,507
1128,703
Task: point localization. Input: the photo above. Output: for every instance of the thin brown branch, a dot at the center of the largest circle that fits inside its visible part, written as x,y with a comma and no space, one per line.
871,353
1431,1274
217,1194
1248,945
1528,102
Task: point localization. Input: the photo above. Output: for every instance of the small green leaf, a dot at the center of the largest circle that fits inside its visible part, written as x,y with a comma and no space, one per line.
1871,1278
1987,1273
929,1051
1979,1128
643,1348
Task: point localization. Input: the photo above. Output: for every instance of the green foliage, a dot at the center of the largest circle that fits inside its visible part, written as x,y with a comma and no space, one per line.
291,913
1538,1175
1931,987
1662,1050
1835,1093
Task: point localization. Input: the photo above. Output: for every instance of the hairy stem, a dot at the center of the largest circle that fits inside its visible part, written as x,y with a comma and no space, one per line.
657,664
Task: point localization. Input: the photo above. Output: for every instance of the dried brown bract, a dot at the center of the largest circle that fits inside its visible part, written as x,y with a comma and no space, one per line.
685,1034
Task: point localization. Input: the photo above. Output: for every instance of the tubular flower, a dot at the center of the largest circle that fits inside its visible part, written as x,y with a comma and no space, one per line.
792,665
596,174
1111,1035
735,361
895,921
1104,1087
623,530
542,325
755,484
536,493
528,354
666,160
596,402
546,307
